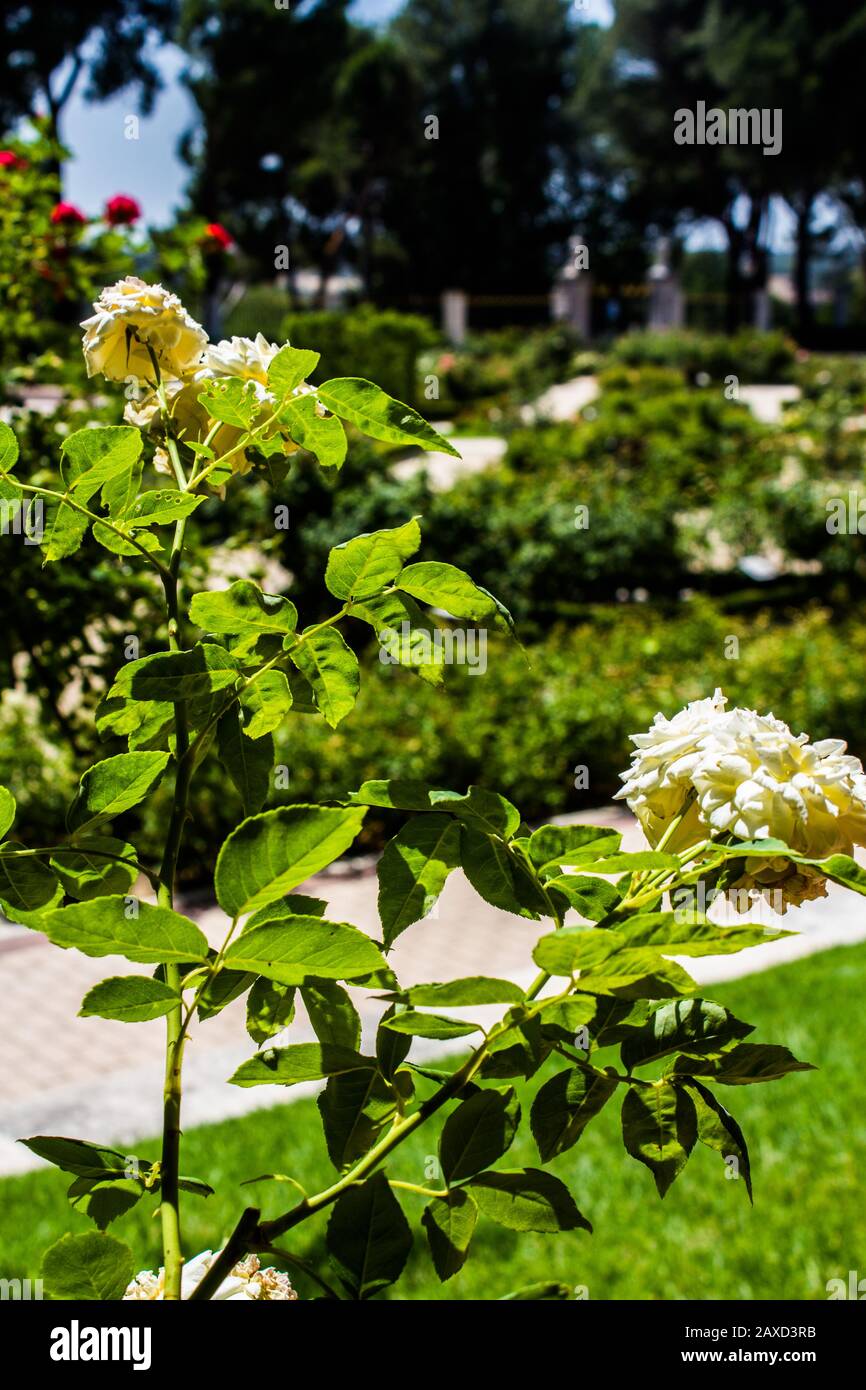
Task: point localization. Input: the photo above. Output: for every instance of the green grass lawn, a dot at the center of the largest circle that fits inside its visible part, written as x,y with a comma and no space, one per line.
807,1135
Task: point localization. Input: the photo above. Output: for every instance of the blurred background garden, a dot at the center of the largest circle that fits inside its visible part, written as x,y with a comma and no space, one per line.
652,357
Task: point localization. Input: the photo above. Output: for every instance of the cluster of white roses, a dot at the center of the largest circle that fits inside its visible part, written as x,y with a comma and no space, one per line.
137,328
746,775
247,1281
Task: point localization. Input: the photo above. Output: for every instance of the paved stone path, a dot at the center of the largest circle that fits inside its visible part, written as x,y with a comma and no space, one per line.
101,1080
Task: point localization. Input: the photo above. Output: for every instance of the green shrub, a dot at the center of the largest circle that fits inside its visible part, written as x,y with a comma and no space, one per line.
750,355
387,343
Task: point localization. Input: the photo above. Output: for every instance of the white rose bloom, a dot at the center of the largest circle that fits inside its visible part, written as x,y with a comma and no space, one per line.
248,358
752,779
130,316
247,1281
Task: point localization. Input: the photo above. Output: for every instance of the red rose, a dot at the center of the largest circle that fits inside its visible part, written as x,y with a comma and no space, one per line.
121,211
10,160
215,239
67,215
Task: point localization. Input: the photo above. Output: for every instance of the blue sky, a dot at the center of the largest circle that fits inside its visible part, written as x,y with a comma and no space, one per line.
105,162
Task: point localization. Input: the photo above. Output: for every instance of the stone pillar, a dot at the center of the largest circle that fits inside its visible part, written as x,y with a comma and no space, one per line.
667,304
571,295
455,307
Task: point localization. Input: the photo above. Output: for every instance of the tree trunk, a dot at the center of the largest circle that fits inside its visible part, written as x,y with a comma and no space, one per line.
802,264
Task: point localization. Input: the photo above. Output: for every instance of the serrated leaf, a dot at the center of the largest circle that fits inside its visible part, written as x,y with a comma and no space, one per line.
454,994
92,1267
243,608
355,1107
391,613
129,998
322,435
332,1014
286,1066
447,587
360,567
379,415
88,870
718,1130
7,811
413,869
269,854
173,676
421,1025
659,1129
121,926
498,875
592,897
270,1009
478,1132
368,1237
564,1106
331,668
248,762
744,1064
298,949
289,368
450,1225
687,1025
527,1199
26,884
113,786
265,703
552,846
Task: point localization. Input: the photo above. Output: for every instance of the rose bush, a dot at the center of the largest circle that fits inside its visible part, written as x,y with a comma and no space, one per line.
718,792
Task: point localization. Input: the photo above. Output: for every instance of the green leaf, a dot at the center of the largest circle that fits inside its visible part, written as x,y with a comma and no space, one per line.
9,451
691,1025
26,884
694,935
174,676
659,1129
631,863
421,1025
332,1014
224,987
286,1066
270,1009
564,1106
130,998
455,994
378,415
113,786
92,1267
292,905
298,949
119,926
65,529
243,609
542,1292
355,1106
607,966
480,809
444,586
7,805
82,1158
272,853
322,435
743,1065
718,1130
498,875
91,457
413,869
162,507
478,1132
331,668
360,567
368,1237
593,898
104,1202
554,845
265,702
87,869
450,1226
289,368
390,613
248,762
392,1048
527,1199
232,401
